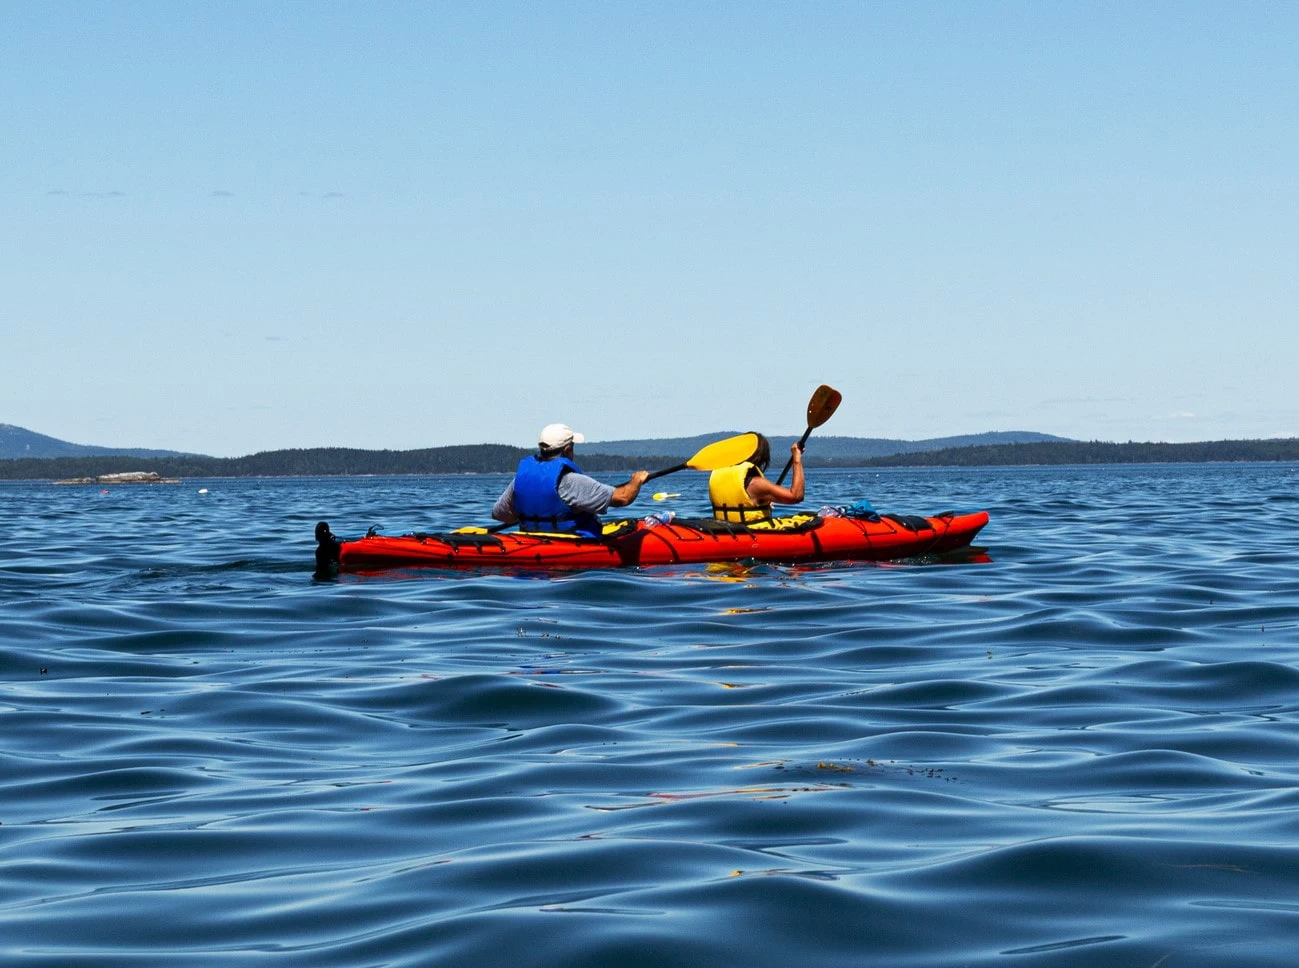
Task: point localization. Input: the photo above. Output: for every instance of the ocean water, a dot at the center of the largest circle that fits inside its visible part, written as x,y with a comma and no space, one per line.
1079,747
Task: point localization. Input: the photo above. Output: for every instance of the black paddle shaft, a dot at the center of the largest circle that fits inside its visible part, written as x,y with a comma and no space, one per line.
825,401
665,472
802,445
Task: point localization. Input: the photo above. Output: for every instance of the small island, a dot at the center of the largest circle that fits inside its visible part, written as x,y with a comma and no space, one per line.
122,477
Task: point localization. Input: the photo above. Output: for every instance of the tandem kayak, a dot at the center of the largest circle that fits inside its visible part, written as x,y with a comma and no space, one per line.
635,543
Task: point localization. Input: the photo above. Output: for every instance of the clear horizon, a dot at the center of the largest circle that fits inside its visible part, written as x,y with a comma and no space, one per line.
239,227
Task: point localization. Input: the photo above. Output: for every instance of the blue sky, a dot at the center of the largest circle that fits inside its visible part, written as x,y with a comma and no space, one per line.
232,227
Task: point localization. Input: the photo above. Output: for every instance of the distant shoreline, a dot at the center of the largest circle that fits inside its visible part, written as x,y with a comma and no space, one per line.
501,459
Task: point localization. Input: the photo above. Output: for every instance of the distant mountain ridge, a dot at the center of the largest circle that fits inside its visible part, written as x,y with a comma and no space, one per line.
826,446
18,442
502,458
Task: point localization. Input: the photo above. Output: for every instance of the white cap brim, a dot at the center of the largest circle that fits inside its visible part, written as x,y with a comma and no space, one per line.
558,436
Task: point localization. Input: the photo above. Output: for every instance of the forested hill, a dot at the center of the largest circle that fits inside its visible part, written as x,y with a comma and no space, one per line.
1097,452
826,446
20,443
500,458
310,462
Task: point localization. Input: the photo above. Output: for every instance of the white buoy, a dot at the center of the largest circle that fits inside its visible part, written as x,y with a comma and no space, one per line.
202,490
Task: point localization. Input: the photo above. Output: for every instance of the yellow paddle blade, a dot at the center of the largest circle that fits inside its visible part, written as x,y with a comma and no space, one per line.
724,453
663,495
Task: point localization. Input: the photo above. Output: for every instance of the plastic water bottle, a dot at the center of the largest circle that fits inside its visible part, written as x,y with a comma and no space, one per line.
655,518
830,511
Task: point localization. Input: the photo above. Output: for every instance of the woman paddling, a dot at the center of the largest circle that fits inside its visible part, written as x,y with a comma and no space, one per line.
742,494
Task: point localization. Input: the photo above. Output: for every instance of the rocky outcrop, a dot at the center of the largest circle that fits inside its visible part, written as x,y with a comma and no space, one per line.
126,477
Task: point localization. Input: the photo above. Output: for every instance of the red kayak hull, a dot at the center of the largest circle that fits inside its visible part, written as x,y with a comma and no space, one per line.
679,542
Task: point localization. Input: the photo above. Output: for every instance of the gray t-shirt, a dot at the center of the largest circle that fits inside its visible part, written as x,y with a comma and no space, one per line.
578,491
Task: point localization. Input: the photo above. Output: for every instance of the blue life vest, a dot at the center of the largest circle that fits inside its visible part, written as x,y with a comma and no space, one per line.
537,501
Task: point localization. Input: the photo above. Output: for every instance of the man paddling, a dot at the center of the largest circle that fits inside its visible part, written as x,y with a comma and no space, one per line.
550,493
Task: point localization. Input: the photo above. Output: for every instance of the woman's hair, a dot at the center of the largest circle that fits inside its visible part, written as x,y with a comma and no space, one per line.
762,453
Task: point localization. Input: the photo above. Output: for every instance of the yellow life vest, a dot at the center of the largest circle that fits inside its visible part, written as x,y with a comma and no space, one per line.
730,498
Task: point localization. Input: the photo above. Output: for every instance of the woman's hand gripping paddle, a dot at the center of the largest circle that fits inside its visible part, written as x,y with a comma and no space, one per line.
825,401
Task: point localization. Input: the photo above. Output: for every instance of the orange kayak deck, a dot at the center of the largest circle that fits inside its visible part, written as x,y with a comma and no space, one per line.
683,541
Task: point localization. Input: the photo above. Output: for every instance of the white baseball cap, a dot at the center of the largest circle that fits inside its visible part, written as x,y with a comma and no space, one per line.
558,436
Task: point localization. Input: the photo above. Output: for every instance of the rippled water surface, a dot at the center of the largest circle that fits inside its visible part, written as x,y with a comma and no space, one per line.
1079,749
